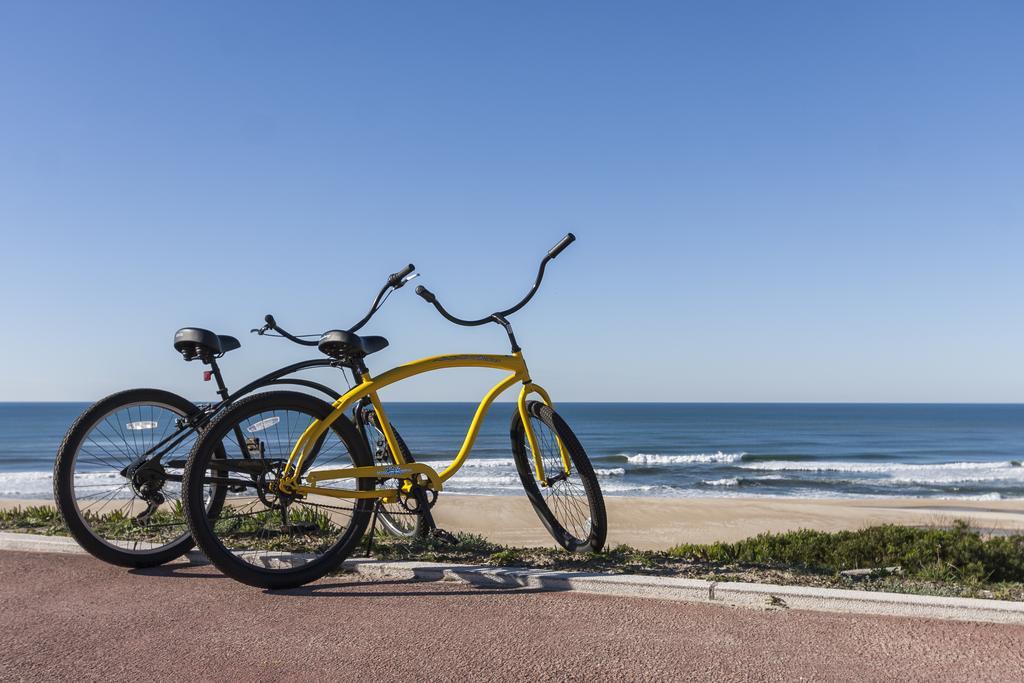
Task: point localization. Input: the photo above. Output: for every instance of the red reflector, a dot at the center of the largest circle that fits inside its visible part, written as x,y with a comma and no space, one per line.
207,374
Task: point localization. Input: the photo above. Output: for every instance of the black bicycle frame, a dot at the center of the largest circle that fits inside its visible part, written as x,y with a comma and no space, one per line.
277,377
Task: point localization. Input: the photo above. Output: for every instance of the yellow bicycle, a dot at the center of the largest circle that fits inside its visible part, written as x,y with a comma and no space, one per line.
306,485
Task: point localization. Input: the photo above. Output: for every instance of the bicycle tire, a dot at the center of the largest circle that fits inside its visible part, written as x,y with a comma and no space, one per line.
558,505
274,572
83,524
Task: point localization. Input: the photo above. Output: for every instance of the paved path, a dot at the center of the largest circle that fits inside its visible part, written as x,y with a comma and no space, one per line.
69,617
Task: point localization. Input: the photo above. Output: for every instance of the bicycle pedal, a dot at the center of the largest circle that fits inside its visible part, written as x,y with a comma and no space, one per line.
446,537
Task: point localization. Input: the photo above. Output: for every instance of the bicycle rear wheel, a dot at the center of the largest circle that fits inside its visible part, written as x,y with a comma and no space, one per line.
570,506
263,537
118,508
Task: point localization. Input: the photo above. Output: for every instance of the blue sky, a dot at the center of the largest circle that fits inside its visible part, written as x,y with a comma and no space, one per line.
774,201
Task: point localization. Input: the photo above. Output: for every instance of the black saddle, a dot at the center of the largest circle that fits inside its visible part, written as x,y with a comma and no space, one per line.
345,345
195,342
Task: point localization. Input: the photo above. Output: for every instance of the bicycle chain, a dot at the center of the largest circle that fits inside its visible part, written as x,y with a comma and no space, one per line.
349,509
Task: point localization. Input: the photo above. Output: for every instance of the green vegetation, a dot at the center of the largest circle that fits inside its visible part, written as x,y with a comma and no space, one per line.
955,561
163,526
35,519
958,554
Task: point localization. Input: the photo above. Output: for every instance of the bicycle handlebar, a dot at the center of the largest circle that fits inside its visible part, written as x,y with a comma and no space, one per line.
271,324
560,247
395,281
431,298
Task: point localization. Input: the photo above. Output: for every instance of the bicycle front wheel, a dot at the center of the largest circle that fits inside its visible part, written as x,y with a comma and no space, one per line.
261,536
569,501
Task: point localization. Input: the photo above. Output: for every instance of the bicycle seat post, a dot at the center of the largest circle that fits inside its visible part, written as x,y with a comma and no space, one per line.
222,389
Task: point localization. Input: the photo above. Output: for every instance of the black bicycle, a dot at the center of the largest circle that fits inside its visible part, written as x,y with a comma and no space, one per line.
118,472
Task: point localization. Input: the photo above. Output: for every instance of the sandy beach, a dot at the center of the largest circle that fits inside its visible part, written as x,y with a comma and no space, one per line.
659,523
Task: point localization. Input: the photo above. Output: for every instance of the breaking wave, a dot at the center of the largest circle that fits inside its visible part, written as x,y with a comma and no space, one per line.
658,459
722,482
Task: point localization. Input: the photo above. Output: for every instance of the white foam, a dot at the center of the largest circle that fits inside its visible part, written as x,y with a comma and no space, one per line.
658,459
507,463
611,472
878,468
40,484
902,474
488,477
610,487
483,481
983,496
963,477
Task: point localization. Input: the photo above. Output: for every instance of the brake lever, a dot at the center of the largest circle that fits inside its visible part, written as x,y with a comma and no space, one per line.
406,279
271,324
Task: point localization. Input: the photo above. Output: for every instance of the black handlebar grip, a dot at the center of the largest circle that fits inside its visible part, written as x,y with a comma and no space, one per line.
395,280
427,295
560,247
269,319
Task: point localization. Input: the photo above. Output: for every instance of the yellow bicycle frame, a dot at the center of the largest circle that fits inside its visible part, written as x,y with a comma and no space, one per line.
369,386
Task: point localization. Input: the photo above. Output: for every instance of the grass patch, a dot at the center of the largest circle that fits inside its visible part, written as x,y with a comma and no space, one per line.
957,554
952,561
164,526
35,519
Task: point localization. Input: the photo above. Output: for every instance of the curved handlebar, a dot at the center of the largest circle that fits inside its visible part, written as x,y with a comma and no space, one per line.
395,281
271,324
429,296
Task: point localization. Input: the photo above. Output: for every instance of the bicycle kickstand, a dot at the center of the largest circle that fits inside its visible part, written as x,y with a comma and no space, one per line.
373,528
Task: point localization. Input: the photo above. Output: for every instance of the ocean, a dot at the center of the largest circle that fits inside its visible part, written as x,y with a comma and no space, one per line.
970,452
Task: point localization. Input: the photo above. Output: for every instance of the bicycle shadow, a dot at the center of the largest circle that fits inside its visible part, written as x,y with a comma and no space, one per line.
344,590
180,568
469,580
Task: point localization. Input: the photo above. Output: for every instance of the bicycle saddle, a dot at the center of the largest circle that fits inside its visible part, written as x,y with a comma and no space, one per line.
344,344
193,342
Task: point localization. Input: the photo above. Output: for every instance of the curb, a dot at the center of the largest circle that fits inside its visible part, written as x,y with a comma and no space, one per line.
734,594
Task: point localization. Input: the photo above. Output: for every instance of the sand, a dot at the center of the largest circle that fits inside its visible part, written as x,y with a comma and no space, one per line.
659,523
